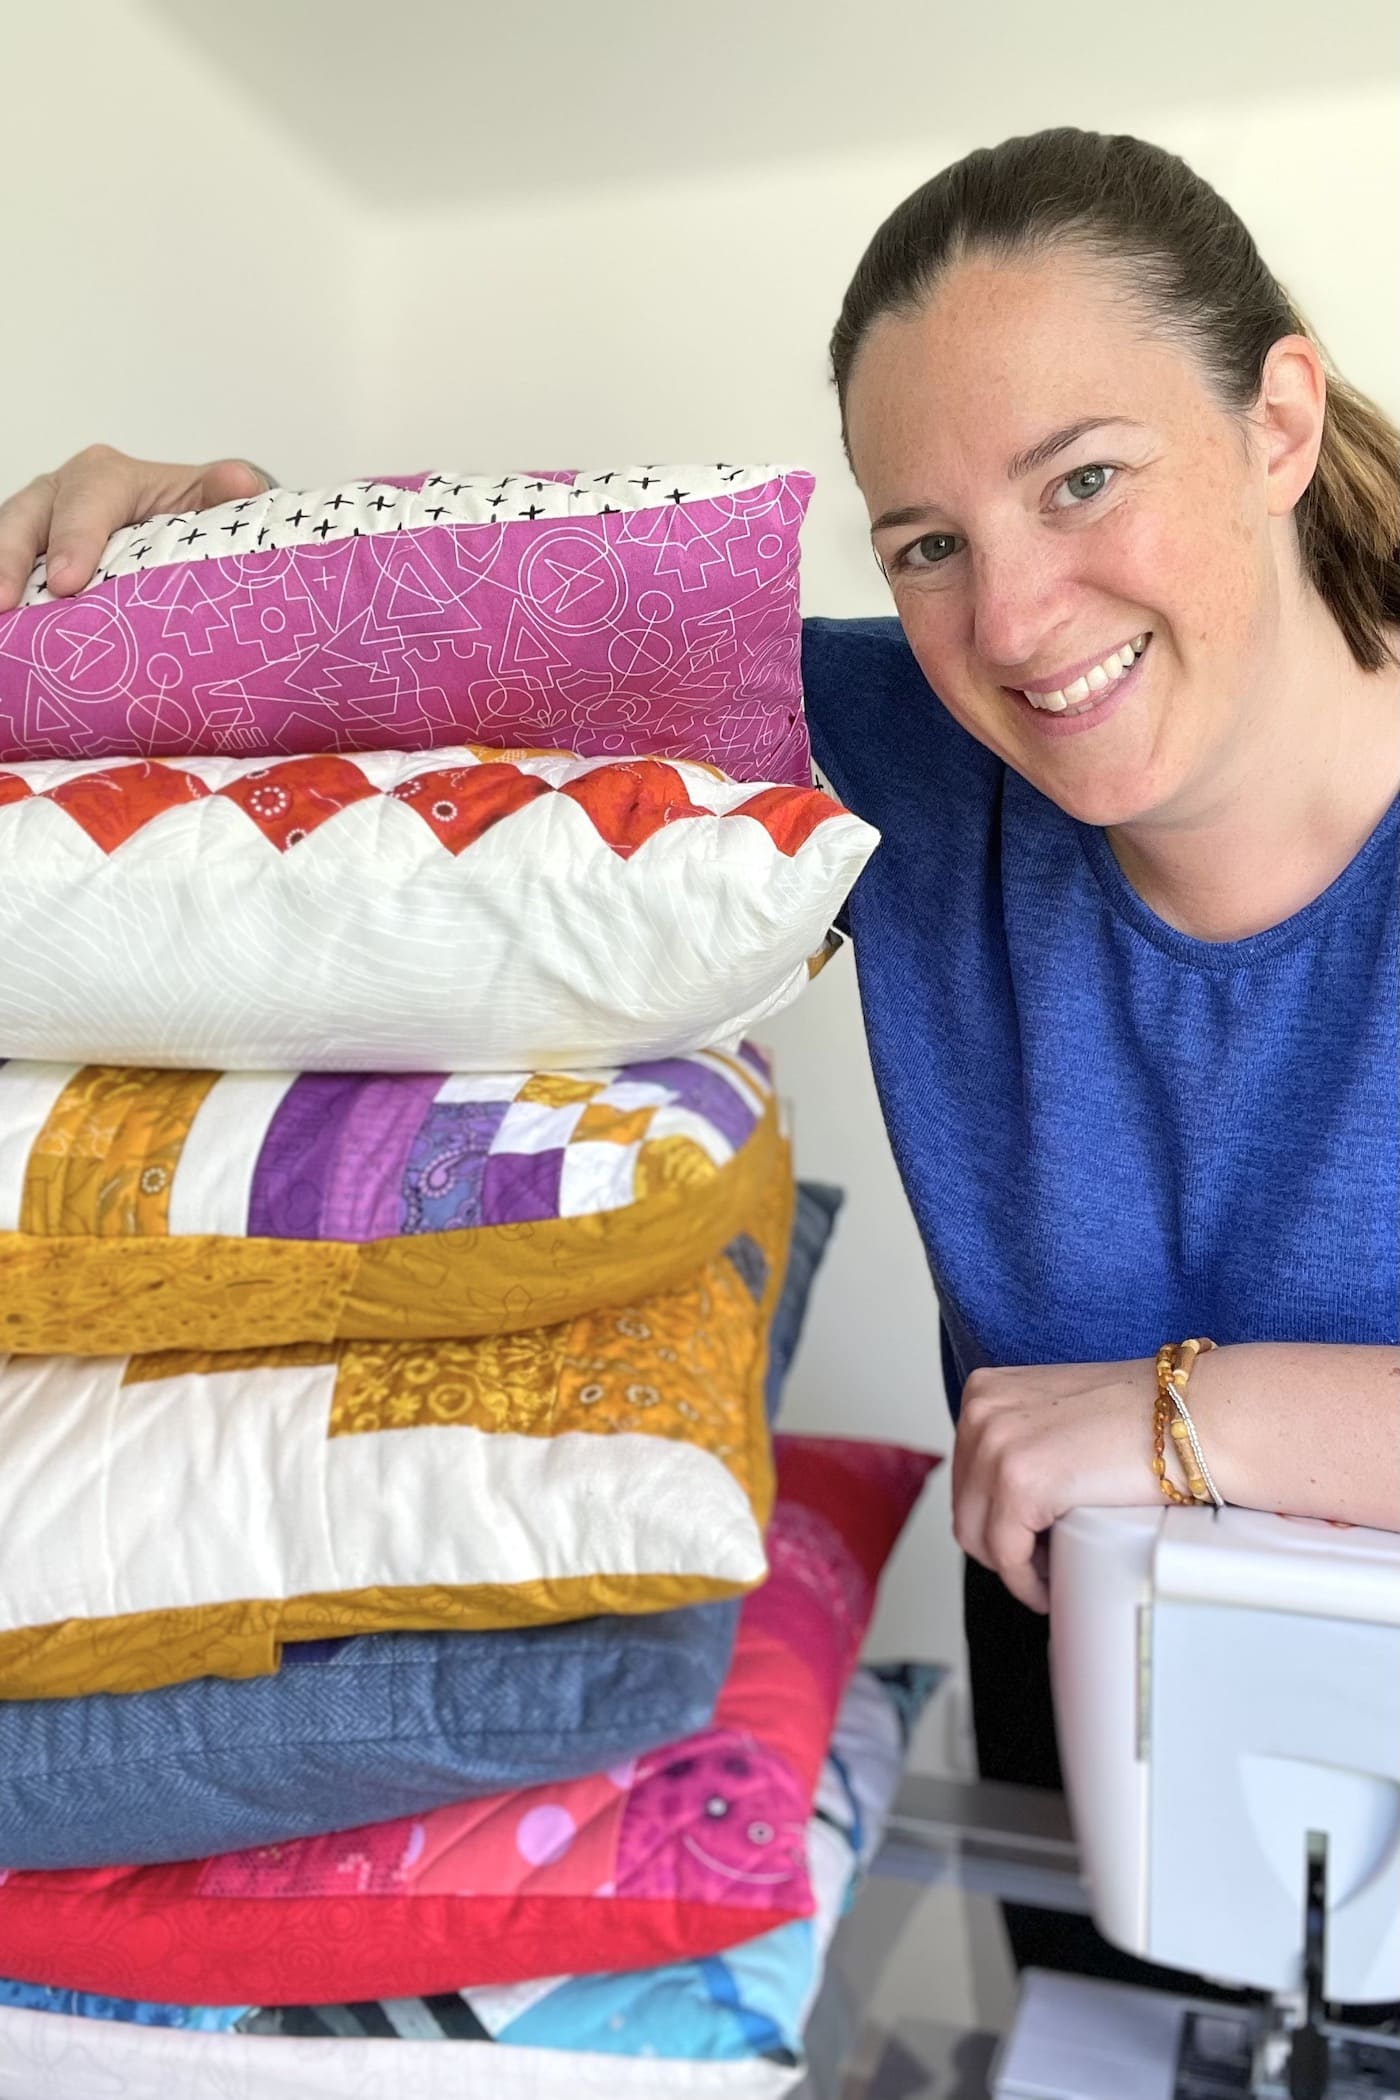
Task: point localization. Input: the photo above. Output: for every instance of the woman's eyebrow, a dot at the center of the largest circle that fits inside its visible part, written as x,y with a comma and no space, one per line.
907,514
1024,463
1037,455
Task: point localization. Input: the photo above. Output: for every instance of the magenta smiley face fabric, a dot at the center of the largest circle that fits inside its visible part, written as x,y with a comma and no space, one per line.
633,610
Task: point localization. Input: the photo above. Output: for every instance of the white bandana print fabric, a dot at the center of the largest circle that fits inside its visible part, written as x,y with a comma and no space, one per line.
457,910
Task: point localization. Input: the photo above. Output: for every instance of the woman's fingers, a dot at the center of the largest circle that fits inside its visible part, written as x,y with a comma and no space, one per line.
228,481
69,515
24,532
1036,1440
997,1516
1012,1552
991,1527
94,494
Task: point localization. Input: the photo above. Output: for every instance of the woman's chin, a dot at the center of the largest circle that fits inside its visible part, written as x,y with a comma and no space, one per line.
1105,800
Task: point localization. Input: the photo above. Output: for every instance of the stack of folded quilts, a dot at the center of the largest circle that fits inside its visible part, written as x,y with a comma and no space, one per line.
656,1928
393,1216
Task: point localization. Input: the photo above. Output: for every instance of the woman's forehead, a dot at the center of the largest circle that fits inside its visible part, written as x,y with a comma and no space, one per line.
987,315
1000,356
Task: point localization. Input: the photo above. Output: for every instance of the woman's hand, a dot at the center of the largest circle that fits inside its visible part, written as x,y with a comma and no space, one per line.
71,513
1312,1428
1033,1443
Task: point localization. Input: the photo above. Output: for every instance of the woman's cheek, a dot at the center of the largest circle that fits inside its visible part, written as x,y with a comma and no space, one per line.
1194,567
938,632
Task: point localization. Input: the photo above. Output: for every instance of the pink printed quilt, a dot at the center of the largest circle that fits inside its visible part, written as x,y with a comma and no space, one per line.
646,610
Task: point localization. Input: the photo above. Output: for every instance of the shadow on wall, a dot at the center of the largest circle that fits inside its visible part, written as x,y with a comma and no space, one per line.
465,102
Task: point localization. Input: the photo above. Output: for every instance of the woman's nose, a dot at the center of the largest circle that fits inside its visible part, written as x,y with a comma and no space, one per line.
1019,606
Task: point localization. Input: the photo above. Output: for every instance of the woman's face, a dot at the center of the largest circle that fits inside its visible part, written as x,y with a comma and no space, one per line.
1062,505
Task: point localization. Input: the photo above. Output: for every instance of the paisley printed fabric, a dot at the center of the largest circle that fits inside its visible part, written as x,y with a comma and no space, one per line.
148,1209
183,1513
461,910
746,2007
632,609
679,1853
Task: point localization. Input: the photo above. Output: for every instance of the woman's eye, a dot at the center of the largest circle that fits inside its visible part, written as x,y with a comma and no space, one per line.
929,552
1082,486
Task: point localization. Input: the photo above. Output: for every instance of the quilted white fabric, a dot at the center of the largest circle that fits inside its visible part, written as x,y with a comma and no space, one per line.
405,911
47,2056
124,1498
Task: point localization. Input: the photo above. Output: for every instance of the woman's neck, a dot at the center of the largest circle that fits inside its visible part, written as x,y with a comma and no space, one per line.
1291,805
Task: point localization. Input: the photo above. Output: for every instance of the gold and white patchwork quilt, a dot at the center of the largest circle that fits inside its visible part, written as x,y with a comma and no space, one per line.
171,1515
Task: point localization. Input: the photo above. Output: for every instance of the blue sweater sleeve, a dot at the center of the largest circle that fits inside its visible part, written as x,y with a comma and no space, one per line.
851,671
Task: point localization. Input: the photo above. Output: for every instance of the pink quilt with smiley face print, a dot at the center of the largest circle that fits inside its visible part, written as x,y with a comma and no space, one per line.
681,1853
635,609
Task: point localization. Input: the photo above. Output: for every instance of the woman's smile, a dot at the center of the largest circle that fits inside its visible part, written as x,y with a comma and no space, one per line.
1090,698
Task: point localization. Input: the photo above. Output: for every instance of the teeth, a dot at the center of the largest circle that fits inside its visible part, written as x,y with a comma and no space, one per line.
1095,681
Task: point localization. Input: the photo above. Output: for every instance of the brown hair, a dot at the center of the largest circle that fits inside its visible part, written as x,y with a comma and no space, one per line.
1192,259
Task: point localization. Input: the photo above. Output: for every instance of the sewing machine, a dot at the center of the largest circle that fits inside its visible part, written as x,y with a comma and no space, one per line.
1227,1690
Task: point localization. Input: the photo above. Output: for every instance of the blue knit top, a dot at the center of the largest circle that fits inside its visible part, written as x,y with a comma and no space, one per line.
1111,1133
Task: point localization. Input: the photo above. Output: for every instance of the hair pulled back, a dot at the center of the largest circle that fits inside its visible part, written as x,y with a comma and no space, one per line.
1191,259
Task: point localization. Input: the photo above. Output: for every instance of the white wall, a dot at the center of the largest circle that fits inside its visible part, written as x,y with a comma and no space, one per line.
179,277
689,320
175,277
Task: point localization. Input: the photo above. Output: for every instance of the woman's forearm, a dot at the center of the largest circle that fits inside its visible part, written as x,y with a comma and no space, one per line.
1309,1428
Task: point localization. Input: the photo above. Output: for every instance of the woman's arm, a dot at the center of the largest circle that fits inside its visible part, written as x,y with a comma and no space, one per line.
1312,1428
1309,1428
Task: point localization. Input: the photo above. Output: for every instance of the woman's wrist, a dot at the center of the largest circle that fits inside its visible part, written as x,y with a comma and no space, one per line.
1310,1428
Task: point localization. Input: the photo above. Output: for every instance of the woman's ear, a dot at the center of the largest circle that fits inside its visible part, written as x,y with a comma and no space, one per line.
1289,416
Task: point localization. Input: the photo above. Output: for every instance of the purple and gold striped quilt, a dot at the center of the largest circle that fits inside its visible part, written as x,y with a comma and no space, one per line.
146,1209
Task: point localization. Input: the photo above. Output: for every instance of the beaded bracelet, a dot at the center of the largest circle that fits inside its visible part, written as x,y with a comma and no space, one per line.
1170,1412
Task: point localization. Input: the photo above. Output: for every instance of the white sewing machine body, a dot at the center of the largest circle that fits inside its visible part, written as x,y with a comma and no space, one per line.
1227,1700
1225,1685
1227,1694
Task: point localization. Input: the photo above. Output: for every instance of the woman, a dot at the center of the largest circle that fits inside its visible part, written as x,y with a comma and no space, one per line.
1128,952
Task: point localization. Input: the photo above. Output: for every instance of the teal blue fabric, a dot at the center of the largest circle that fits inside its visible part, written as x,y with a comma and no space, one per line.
356,1731
87,2005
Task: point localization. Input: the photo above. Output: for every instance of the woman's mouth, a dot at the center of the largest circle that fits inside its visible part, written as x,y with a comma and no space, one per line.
1091,696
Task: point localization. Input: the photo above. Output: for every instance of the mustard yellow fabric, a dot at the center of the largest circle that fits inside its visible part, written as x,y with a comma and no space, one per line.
144,1650
686,1365
102,1164
667,1366
69,1288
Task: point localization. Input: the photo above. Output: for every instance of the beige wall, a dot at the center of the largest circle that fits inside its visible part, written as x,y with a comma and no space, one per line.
175,277
179,277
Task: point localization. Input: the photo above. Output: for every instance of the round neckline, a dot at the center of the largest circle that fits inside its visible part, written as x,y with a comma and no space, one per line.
1250,947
